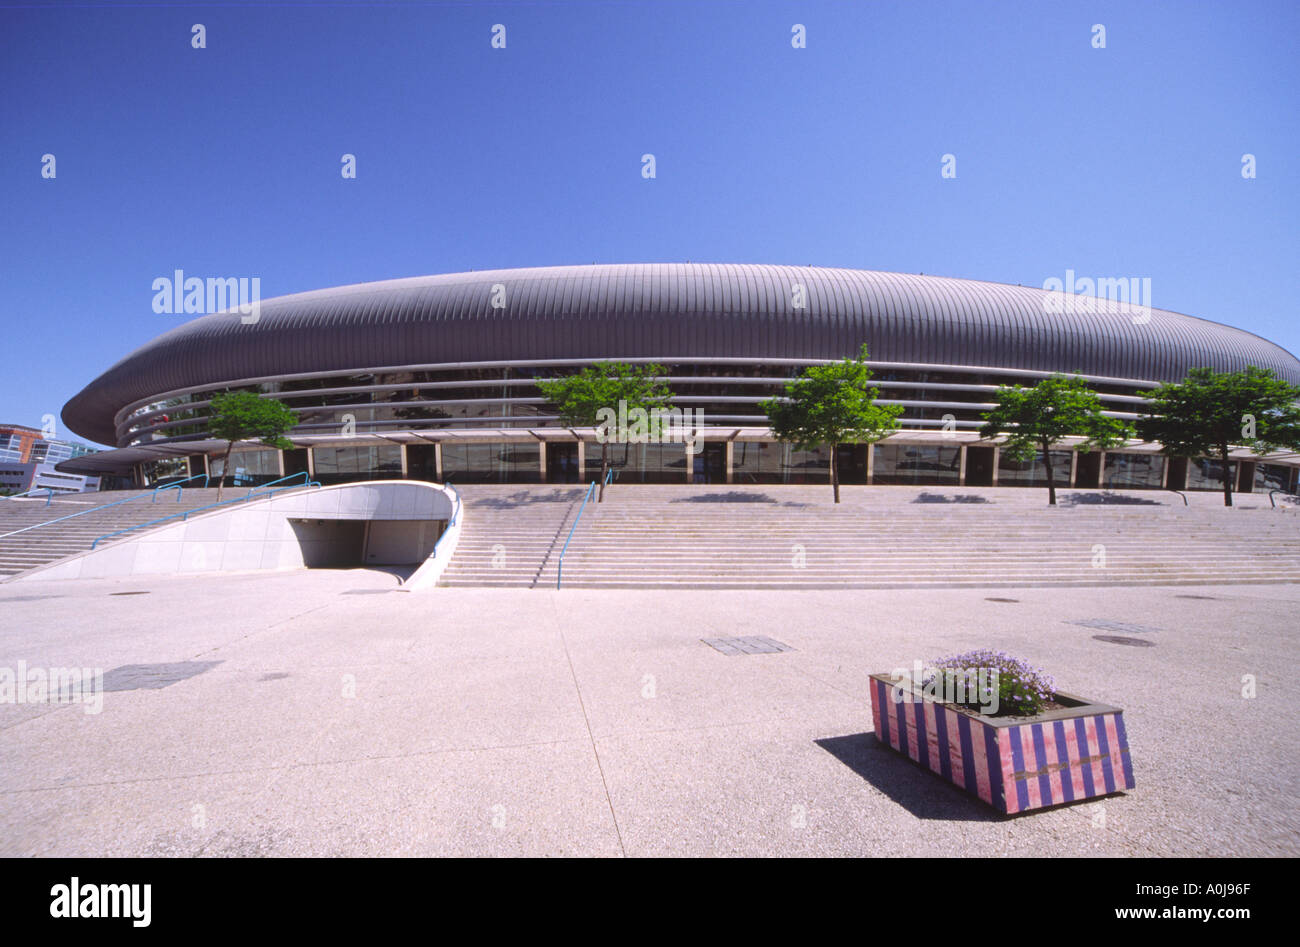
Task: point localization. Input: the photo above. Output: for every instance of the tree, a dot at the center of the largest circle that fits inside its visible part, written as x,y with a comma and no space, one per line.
241,416
587,399
1208,411
831,405
1033,419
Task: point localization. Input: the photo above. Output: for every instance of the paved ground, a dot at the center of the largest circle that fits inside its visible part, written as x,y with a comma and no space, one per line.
506,722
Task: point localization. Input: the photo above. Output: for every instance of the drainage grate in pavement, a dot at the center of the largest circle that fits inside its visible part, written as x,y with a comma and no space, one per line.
1104,624
134,677
366,592
274,676
1205,598
751,645
1001,599
142,592
1120,639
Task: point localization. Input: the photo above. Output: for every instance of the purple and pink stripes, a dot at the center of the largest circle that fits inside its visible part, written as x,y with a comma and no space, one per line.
1014,768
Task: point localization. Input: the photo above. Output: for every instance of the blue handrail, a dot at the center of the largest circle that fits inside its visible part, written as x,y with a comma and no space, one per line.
455,514
48,498
307,482
559,570
60,519
185,514
178,486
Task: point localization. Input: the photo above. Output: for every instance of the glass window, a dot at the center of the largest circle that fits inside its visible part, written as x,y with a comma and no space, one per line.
491,463
901,463
1206,474
1133,471
1033,473
348,464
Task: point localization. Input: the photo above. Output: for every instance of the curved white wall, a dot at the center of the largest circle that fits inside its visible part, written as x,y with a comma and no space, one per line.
269,533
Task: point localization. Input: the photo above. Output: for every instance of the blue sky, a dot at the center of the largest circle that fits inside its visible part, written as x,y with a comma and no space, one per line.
1115,162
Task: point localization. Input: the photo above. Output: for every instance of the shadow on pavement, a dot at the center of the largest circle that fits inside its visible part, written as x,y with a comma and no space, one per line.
917,790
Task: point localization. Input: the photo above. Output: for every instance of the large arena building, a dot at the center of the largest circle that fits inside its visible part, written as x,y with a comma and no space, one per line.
434,378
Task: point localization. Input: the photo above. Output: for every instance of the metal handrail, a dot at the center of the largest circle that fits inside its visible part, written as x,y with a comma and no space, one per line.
559,570
178,486
48,498
455,513
1271,501
1180,493
307,482
60,519
185,514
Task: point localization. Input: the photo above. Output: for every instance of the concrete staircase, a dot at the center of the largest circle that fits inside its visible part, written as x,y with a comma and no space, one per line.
878,537
22,548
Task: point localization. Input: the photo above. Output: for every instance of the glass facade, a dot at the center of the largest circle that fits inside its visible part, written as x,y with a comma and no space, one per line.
248,468
1133,471
638,463
1033,473
1206,474
349,464
491,463
900,463
1272,477
758,462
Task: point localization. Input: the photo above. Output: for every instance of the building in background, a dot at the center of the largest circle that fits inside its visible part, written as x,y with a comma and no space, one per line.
28,461
434,377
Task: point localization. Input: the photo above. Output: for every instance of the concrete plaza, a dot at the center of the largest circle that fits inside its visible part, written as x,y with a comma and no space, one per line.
327,713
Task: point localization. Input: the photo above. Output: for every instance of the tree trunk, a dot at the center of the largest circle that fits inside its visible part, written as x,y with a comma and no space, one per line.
225,469
1227,480
604,469
1051,482
835,472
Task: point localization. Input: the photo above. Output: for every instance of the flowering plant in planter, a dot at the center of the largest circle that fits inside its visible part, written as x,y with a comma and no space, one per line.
992,681
998,728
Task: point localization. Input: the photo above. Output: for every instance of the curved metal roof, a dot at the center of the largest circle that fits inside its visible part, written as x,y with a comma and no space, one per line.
659,310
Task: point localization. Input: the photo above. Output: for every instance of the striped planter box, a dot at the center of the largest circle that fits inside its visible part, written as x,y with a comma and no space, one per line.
1064,755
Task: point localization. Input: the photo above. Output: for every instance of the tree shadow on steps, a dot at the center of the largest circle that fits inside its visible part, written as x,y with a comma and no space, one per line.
955,498
734,496
1106,499
526,498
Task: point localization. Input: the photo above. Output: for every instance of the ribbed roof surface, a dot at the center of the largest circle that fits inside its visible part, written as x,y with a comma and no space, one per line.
665,310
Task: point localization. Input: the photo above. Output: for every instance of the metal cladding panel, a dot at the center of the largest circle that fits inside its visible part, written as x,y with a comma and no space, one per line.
659,311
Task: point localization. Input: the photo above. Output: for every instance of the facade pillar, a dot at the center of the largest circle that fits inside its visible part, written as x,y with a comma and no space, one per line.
961,466
1074,466
406,470
541,461
582,461
437,461
997,460
871,463
690,464
729,453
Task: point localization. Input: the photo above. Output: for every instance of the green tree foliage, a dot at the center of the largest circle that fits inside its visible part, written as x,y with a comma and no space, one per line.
1033,419
585,398
829,405
242,416
1208,411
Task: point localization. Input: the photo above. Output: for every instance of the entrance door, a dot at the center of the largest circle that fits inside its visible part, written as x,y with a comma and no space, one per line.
979,466
422,462
710,464
562,462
